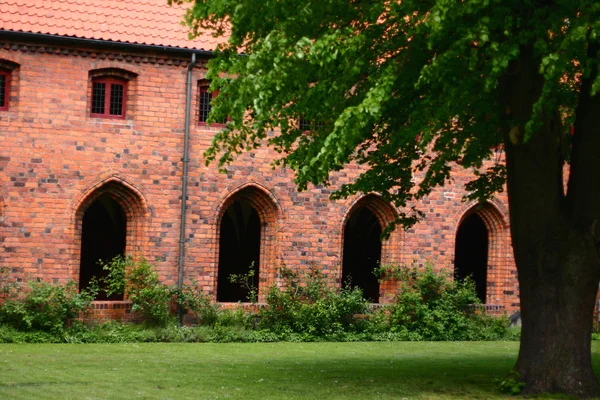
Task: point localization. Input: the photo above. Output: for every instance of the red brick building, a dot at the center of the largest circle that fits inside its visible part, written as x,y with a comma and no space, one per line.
92,133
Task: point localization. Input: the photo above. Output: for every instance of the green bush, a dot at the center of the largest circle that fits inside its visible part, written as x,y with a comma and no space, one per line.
140,283
307,305
154,300
430,306
198,302
45,306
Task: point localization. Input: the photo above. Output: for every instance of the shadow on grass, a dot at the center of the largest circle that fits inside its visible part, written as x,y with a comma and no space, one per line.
390,370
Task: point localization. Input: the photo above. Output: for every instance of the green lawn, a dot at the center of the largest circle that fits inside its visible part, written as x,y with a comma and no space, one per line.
389,370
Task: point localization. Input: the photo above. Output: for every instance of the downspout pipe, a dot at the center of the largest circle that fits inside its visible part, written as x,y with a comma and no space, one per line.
184,179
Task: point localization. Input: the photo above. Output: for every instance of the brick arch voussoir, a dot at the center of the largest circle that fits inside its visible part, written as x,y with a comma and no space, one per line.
126,70
493,216
261,199
384,211
127,195
131,200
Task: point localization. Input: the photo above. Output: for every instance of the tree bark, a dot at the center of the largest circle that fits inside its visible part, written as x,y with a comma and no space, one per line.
558,292
553,240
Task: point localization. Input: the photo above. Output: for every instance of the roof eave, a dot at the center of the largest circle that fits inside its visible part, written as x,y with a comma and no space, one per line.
105,44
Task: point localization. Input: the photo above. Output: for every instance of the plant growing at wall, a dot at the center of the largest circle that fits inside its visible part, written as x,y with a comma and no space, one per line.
432,306
138,280
305,304
248,282
141,284
194,300
37,305
389,272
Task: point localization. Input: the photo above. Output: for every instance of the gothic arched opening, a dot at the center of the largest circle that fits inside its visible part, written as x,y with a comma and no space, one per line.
103,237
362,252
239,250
471,253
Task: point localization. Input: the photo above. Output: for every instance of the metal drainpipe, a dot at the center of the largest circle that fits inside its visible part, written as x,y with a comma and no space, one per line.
184,178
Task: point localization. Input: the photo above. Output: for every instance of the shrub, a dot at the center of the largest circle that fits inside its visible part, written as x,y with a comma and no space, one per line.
430,306
307,305
154,300
45,306
198,302
140,283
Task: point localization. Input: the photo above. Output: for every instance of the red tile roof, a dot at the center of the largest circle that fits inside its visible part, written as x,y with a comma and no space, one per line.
150,22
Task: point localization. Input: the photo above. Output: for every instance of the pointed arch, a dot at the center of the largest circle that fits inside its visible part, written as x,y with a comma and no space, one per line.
490,251
361,229
257,210
111,206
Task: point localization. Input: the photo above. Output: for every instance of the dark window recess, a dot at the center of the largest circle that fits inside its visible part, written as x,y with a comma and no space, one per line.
4,90
308,125
103,233
204,100
239,249
471,253
362,252
204,107
108,98
304,124
116,99
98,96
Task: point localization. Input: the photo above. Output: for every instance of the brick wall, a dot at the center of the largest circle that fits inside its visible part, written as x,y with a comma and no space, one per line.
55,160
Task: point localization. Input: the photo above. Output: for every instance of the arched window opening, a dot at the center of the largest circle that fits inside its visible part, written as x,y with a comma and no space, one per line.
239,250
471,253
103,233
362,252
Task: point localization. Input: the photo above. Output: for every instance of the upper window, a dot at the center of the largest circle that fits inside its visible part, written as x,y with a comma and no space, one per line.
4,89
305,124
204,107
109,97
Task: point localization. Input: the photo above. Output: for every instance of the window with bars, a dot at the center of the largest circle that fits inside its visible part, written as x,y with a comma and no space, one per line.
305,124
4,89
109,97
204,107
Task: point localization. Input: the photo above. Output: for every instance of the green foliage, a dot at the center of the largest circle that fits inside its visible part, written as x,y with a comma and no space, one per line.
512,384
307,305
402,88
248,282
431,306
237,318
140,283
190,298
303,308
45,306
114,282
154,300
388,272
410,89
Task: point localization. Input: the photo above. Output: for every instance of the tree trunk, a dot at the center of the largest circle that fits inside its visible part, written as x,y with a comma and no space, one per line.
553,238
558,291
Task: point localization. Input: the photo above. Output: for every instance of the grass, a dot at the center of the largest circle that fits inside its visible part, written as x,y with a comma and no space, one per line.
374,370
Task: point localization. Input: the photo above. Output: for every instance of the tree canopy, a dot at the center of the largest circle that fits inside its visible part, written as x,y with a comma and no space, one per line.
414,87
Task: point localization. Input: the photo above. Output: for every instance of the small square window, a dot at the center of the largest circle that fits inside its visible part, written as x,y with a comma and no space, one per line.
306,125
204,98
109,97
204,107
4,89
